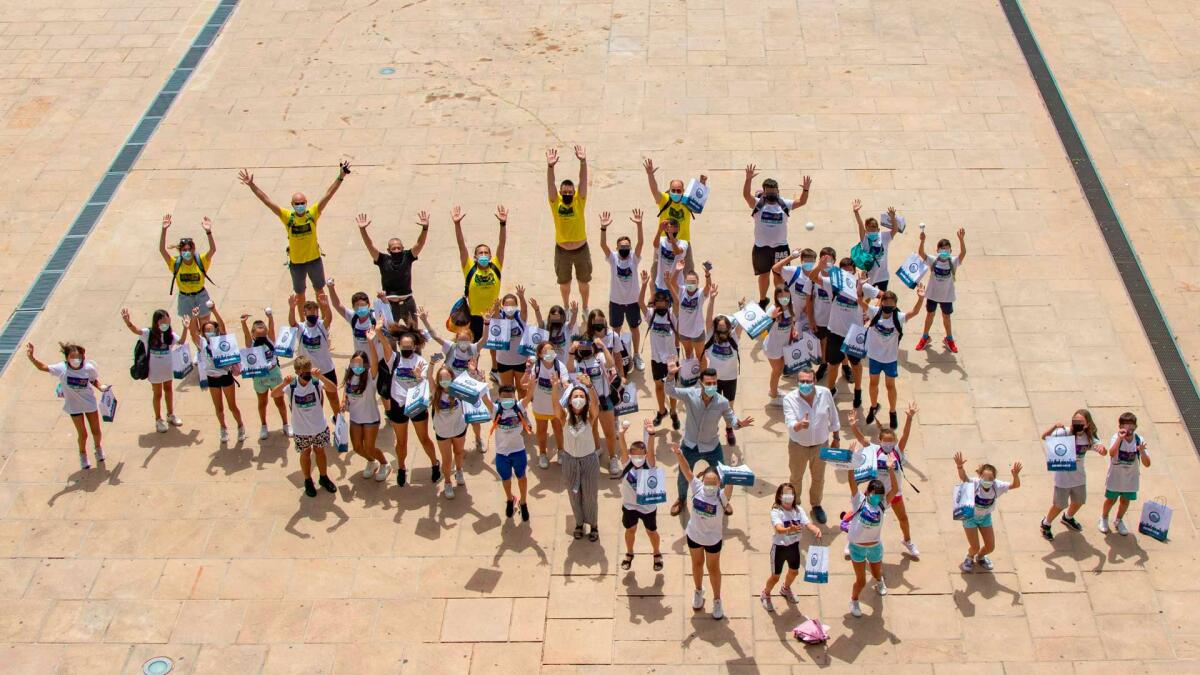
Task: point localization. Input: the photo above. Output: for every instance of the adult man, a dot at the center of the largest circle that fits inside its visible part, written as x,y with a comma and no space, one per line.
671,206
300,222
705,408
567,203
395,267
770,213
811,417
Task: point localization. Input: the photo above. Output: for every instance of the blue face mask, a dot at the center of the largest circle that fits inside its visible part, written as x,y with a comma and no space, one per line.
186,255
362,311
299,209
875,499
806,388
943,255
483,260
873,237
508,403
676,197
808,267
710,390
164,327
358,370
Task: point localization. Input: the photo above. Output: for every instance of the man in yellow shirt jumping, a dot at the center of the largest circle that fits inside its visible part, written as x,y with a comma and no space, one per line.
300,222
567,204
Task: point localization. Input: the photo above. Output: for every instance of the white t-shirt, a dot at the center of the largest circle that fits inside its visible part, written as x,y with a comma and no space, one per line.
511,356
882,459
940,286
883,338
457,359
666,258
723,358
787,518
160,359
690,313
880,271
307,416
822,303
1078,477
210,368
985,500
845,310
78,394
706,526
509,430
780,333
1124,467
629,491
800,291
662,336
543,388
314,341
359,327
623,285
449,418
578,441
595,368
560,338
770,224
364,407
404,376
867,522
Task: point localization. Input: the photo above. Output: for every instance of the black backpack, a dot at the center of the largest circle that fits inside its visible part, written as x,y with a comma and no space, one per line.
140,370
199,260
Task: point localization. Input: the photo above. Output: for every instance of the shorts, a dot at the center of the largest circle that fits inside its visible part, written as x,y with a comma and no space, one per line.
395,415
543,418
1115,494
881,285
375,424
476,328
947,307
789,554
976,522
658,371
90,412
512,464
630,518
461,434
314,270
606,403
833,350
317,442
715,548
876,367
198,300
869,554
331,375
821,332
764,257
505,368
728,389
619,315
405,309
579,261
221,382
1064,497
267,382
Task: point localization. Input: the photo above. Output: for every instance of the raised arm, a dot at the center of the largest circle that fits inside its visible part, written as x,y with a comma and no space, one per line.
343,171
583,172
457,215
805,184
523,305
271,324
605,221
858,434
333,296
162,240
648,432
856,206
34,360
683,465
655,193
1016,476
423,222
958,464
220,321
136,330
908,420
642,294
893,220
777,268
551,187
636,218
245,329
921,245
502,218
916,310
326,313
206,224
363,223
747,191
962,244
247,179
292,311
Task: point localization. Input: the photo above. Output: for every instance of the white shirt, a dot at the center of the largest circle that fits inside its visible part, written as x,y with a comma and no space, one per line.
666,258
883,338
359,327
880,271
1078,477
706,526
689,312
940,286
307,416
458,359
891,456
985,500
623,284
449,418
578,441
629,491
543,399
210,368
364,407
1124,466
662,336
314,341
822,303
160,359
867,521
516,329
404,376
509,429
559,339
723,358
845,310
595,368
800,292
78,394
787,518
822,416
770,223
780,333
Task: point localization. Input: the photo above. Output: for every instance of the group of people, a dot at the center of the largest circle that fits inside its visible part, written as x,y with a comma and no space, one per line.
568,373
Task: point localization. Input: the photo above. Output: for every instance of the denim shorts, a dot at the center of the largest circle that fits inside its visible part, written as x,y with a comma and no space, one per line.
512,464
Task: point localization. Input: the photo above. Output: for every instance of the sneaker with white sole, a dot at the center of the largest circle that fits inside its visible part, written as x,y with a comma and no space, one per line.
765,599
241,434
458,478
614,467
911,548
855,609
718,612
968,565
697,595
160,426
1102,525
448,491
100,456
1121,529
787,594
543,462
83,461
174,420
383,472
881,587
638,362
372,467
985,562
287,431
224,435
263,432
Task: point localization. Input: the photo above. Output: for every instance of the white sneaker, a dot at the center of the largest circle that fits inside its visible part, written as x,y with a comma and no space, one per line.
1121,529
697,595
911,548
855,609
985,562
160,426
718,612
100,458
383,472
614,467
287,430
638,362
968,564
1102,525
241,434
224,435
372,467
880,587
775,402
263,432
543,462
458,478
84,464
479,446
448,491
846,552
174,420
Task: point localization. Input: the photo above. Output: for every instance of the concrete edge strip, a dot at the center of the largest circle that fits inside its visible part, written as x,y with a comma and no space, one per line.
1150,314
34,302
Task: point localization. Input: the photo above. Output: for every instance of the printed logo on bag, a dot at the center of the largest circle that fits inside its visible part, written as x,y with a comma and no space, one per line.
251,359
652,483
797,354
1060,450
813,560
626,396
223,345
495,331
1154,516
861,338
912,268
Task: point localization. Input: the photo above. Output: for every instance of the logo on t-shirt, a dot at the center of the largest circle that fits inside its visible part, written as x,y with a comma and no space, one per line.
77,382
306,400
770,217
703,508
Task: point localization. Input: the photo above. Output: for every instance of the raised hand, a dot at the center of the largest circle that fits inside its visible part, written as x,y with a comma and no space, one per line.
806,183
645,276
585,380
457,215
892,213
912,409
166,221
605,219
423,218
501,214
959,459
1016,469
206,223
636,218
520,291
852,417
856,205
551,157
534,304
362,221
580,154
246,178
962,232
574,306
751,172
649,166
344,167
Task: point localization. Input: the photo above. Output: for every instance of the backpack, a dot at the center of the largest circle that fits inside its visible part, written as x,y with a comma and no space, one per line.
781,203
863,259
895,322
668,205
140,370
199,260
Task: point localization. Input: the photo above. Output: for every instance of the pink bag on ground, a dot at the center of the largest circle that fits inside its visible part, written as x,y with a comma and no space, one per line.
811,632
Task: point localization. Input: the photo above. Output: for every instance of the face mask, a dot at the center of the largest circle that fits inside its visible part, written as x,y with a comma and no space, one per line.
406,353
722,337
1077,427
509,311
362,311
873,237
164,327
358,370
784,301
304,378
691,288
445,384
676,197
623,252
548,357
567,199
583,354
637,460
710,490
710,390
75,363
806,388
483,260
808,267
463,346
887,447
887,311
186,255
507,403
299,208
943,255
660,311
787,499
985,484
770,197
597,327
577,404
555,326
311,319
849,271
210,333
397,255
875,499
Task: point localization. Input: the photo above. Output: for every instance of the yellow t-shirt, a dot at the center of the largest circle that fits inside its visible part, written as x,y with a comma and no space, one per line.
189,279
301,234
484,288
678,212
568,219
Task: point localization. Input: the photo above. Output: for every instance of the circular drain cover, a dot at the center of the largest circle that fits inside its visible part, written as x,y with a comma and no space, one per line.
387,71
159,665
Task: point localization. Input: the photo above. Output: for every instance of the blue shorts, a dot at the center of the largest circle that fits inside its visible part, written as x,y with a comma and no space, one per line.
515,463
976,522
876,367
947,307
870,554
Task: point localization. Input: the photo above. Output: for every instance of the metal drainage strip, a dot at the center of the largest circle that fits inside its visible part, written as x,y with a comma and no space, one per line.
1154,322
60,259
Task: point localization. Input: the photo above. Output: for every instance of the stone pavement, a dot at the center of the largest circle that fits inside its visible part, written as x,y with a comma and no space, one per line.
214,558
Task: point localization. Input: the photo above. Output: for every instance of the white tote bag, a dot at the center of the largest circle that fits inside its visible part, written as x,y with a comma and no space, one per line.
341,434
816,565
108,405
1060,453
629,400
964,501
651,486
183,360
499,335
855,343
225,351
254,363
285,342
911,270
531,339
753,319
1155,520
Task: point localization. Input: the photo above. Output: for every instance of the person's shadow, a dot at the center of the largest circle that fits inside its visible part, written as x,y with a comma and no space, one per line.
1121,549
274,449
230,459
89,480
518,538
172,439
986,586
1074,547
717,634
944,363
585,554
862,631
316,509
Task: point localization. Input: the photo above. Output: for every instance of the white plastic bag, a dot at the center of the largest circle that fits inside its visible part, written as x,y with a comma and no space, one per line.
695,195
499,335
183,361
816,565
1155,520
108,405
629,400
964,501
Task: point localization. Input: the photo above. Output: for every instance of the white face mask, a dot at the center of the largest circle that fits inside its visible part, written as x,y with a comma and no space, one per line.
638,460
787,499
464,346
509,311
75,363
710,490
887,447
578,404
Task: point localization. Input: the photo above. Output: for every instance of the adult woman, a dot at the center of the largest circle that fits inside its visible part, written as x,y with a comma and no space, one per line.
76,376
221,385
159,339
540,398
188,271
580,467
407,368
705,531
593,358
361,404
259,334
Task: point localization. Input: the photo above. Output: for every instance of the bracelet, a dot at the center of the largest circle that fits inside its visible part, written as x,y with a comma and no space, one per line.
503,223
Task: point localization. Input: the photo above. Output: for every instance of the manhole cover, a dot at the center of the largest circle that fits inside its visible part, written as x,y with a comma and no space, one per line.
159,665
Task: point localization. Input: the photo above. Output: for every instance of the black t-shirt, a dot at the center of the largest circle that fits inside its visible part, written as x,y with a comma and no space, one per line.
396,275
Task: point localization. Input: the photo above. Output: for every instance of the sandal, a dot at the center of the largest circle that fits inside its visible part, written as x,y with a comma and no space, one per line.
658,562
627,562
578,534
594,535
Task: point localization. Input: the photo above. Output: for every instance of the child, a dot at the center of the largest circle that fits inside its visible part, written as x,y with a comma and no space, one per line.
314,340
304,391
669,248
76,376
979,526
890,458
884,332
221,385
459,354
510,364
539,397
623,290
1070,487
159,339
781,334
797,282
721,354
509,424
359,315
822,300
664,345
942,270
407,367
705,531
259,334
876,241
362,374
689,310
449,426
1125,451
849,296
559,326
864,527
638,458
788,520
